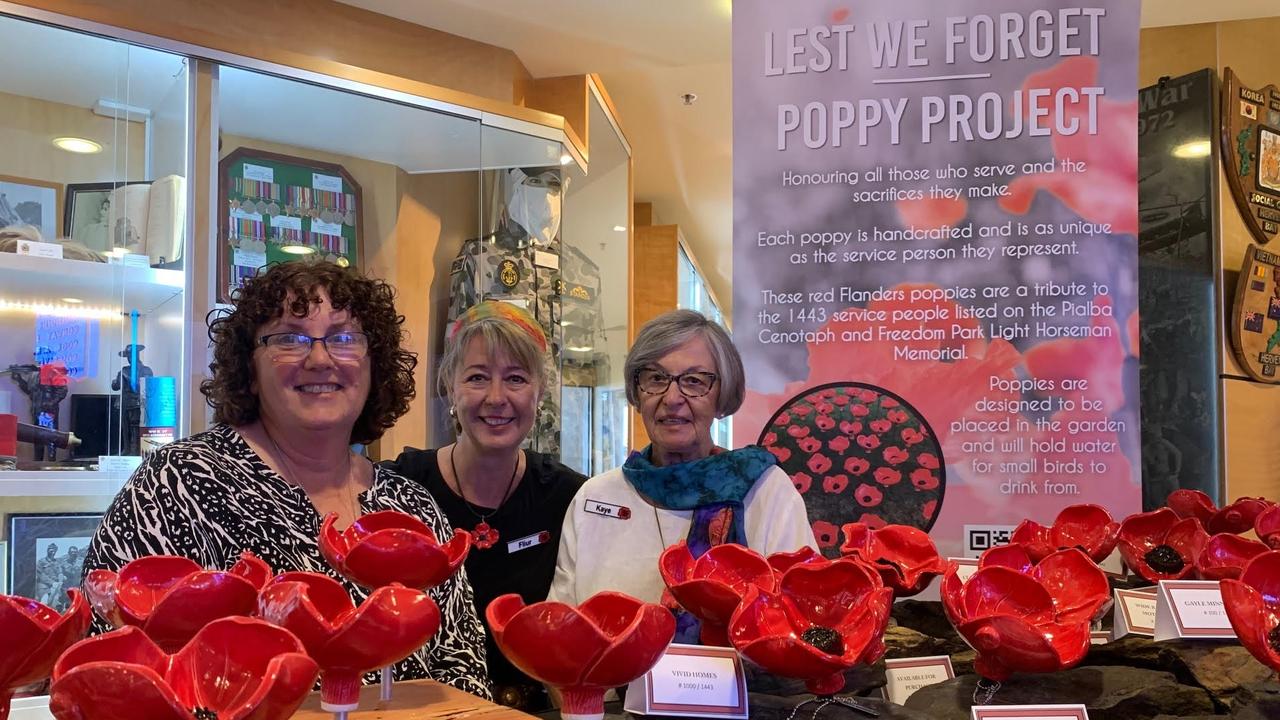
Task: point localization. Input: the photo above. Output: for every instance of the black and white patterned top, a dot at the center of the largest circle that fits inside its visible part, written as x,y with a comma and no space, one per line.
210,496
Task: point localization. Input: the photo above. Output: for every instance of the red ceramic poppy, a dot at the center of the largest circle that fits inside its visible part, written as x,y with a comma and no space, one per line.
171,598
1267,527
1225,556
1191,504
905,557
1014,556
784,561
1253,606
607,641
233,668
1159,546
34,635
824,619
1087,527
1029,622
1239,516
348,641
388,547
711,586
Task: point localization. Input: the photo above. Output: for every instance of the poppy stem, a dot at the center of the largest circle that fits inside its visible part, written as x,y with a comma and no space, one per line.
387,678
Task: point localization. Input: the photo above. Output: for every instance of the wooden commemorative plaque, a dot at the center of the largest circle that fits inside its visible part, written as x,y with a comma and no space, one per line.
1255,315
1251,153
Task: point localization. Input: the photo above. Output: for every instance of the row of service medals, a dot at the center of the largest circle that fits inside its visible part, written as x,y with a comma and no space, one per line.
272,209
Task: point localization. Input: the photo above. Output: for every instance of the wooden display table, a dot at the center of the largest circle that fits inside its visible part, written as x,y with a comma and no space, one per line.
415,700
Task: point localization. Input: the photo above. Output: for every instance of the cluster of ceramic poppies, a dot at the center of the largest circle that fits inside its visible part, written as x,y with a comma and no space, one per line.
800,614
1191,537
233,644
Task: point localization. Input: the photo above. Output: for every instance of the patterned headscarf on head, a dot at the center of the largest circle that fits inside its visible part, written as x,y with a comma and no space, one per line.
504,310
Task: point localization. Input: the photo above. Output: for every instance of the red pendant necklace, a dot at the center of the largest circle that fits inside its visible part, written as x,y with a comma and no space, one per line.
484,535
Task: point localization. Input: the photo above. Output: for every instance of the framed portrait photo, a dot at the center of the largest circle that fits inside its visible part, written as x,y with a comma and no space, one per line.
1269,159
86,215
46,554
31,202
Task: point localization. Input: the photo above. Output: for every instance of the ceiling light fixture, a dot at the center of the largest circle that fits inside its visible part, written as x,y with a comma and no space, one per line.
619,228
689,98
77,145
72,301
297,249
1193,149
565,159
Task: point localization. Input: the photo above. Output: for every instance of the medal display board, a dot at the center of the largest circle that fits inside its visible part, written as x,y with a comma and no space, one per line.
276,208
1255,319
1251,153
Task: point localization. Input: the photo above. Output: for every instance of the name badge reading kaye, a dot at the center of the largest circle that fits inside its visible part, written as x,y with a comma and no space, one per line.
1191,609
692,681
1030,712
528,541
595,507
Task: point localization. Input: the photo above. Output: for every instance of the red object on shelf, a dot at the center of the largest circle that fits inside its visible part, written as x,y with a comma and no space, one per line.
8,435
1191,504
233,668
1226,555
171,598
387,547
1027,622
607,641
1239,516
711,586
1014,556
1159,546
1087,527
34,635
1267,527
347,641
905,557
824,619
1253,606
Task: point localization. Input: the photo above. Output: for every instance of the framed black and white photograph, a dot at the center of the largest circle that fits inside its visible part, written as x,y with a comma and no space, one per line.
46,554
86,217
31,202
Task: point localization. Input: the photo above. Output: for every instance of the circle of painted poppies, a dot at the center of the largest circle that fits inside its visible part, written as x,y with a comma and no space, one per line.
858,453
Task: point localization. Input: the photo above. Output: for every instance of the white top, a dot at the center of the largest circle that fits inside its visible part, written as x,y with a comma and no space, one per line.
599,550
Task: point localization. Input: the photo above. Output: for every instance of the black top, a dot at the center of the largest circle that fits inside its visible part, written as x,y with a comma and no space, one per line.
524,558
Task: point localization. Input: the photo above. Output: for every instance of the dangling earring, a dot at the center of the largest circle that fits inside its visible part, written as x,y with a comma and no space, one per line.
453,411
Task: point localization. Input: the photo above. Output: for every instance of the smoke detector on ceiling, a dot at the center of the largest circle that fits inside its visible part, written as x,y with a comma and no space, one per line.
689,98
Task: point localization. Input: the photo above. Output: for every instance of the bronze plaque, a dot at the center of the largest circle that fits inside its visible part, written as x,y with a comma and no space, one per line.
1255,328
1251,153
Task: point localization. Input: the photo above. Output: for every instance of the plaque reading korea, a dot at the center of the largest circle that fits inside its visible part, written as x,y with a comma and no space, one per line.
1251,153
1255,328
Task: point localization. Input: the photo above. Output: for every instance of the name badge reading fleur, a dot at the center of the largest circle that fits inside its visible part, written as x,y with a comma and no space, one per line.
528,541
621,512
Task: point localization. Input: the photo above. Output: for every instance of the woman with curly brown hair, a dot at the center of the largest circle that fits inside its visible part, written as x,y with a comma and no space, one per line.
307,363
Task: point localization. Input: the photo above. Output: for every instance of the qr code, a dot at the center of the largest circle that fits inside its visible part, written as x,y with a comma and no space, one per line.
977,538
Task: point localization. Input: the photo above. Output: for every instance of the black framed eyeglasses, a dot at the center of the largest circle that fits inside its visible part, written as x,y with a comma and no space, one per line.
690,384
339,345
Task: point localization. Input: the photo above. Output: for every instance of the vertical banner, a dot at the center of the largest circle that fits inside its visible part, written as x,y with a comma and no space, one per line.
935,258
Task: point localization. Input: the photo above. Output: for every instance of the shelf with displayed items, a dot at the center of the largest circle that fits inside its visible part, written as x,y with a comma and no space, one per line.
41,284
276,208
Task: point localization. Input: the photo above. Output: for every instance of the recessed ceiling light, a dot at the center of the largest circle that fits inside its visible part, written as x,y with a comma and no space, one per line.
1193,149
565,159
72,301
297,249
77,145
620,228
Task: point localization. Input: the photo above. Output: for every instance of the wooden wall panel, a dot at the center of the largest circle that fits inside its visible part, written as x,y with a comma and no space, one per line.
565,96
1251,455
1175,50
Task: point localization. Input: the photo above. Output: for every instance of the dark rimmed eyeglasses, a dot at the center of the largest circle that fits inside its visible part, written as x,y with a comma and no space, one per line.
339,345
690,384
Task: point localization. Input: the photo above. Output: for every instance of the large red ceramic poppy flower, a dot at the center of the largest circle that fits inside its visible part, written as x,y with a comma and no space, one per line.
905,557
1226,555
233,668
1191,504
171,598
34,635
1253,606
1027,622
388,547
711,586
607,641
1087,527
824,619
1239,516
345,640
1267,527
1159,546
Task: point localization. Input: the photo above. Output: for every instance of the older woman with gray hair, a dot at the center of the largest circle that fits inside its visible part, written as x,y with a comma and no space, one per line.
682,373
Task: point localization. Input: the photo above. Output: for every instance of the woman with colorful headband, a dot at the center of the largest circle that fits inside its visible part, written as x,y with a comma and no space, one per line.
682,373
513,501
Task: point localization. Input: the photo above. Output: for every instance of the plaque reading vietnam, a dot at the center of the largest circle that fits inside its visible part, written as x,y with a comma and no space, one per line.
1255,328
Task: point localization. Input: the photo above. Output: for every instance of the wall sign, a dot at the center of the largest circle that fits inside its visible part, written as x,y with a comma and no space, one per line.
1255,315
935,204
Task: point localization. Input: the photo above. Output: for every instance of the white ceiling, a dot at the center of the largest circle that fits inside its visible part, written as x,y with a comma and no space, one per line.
649,53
